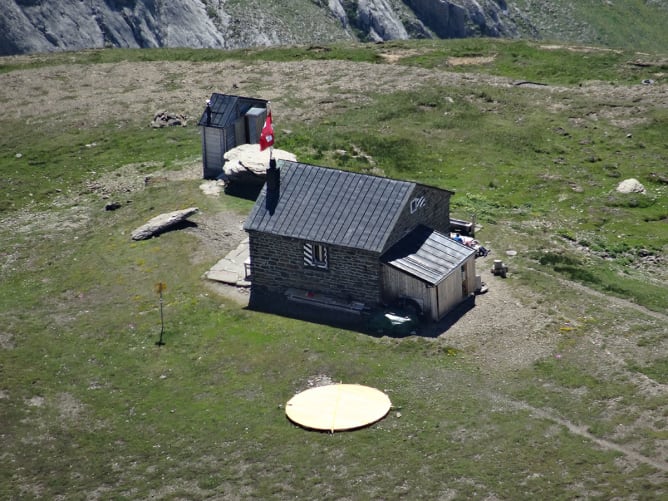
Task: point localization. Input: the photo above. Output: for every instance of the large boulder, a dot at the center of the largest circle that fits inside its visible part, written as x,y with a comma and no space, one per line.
630,186
248,165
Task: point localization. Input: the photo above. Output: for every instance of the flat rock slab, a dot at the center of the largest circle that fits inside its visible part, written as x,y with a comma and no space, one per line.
163,222
223,275
232,269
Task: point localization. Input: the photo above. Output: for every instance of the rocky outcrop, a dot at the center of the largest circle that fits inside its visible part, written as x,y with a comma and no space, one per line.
28,26
166,119
377,19
41,26
465,18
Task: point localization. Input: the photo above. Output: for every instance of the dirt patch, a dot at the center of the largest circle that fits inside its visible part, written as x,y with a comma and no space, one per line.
6,341
502,332
131,93
395,57
69,408
579,48
35,401
470,61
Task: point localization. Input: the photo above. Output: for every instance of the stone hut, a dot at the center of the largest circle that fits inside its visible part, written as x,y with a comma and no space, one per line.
349,242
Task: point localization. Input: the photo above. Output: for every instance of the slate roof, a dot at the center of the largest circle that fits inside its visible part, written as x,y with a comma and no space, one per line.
225,109
332,206
427,255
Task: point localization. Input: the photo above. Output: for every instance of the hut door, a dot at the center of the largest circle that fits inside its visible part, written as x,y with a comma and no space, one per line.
443,304
213,151
465,282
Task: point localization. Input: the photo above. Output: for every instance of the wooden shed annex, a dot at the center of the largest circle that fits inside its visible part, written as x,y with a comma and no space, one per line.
228,121
349,241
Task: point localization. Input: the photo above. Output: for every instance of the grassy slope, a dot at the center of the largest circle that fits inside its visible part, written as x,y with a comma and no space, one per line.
631,24
91,407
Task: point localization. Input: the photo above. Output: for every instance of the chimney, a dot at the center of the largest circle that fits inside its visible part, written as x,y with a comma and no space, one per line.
273,186
208,112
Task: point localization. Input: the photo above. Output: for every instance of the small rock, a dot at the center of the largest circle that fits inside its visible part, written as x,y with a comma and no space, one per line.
165,119
112,206
213,188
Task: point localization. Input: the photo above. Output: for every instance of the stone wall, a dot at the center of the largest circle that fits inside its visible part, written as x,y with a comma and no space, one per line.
277,264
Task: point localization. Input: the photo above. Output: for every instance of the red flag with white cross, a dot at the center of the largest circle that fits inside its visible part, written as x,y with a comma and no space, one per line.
267,134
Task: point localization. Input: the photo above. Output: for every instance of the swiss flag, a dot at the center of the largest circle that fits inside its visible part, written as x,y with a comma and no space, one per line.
267,134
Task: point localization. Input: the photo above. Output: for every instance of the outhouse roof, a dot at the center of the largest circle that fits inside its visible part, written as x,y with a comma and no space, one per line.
226,109
427,255
332,206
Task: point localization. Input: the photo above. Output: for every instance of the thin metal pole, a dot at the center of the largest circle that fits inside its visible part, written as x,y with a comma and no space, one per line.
162,322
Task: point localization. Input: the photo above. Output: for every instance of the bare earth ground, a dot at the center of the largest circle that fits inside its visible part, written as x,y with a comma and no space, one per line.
133,92
505,331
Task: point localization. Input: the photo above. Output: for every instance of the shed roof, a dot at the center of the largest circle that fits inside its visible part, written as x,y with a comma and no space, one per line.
226,109
332,206
427,255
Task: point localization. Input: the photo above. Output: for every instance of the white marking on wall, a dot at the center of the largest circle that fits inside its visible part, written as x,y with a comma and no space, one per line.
417,203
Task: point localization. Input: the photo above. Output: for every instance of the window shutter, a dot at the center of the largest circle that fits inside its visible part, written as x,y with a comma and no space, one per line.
325,260
308,255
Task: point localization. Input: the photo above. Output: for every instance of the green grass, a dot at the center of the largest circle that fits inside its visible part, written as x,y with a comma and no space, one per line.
90,406
347,52
606,277
63,159
633,24
657,370
526,61
204,413
506,159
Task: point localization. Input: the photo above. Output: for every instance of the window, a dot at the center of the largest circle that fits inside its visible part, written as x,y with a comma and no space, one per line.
315,255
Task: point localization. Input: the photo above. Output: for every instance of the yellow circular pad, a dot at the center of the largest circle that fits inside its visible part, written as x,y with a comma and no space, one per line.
338,407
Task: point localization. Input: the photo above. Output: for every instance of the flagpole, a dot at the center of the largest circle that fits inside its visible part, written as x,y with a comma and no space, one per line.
271,148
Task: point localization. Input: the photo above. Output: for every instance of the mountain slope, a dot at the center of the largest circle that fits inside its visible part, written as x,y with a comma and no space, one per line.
28,26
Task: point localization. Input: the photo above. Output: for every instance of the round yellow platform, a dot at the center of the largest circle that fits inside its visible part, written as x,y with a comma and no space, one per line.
338,407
